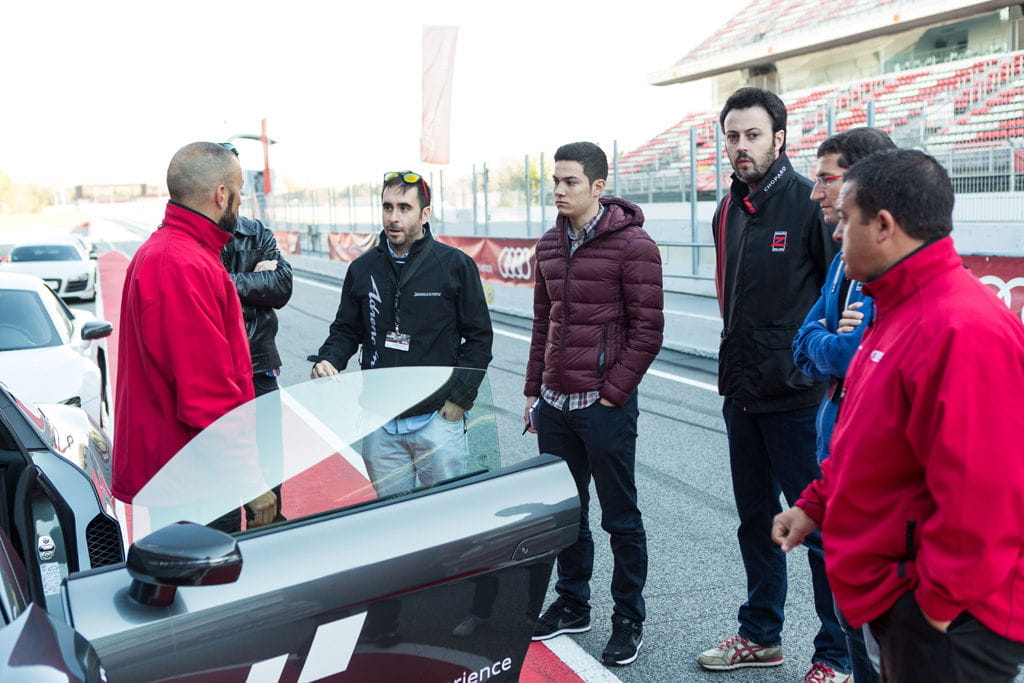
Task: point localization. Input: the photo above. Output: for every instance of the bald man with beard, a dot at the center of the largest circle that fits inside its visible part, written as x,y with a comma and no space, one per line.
183,354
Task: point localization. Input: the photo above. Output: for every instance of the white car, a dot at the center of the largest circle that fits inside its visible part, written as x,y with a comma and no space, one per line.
50,353
63,264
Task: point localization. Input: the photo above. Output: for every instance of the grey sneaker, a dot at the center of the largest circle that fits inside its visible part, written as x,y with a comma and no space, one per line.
737,653
468,626
560,618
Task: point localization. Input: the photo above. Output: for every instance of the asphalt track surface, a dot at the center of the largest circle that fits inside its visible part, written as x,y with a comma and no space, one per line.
695,580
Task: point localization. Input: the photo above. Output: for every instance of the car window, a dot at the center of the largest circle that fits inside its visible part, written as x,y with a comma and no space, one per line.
45,252
24,321
59,313
354,439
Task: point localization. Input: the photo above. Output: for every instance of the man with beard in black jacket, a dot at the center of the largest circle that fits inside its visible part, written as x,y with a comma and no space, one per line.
413,301
263,279
773,250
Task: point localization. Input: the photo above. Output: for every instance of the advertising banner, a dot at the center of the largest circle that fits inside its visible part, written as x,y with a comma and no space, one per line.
501,261
287,241
1004,274
348,246
438,68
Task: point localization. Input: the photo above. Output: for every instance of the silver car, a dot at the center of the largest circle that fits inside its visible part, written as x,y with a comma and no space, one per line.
344,585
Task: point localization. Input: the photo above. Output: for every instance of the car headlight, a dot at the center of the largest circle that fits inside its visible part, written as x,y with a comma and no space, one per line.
75,401
83,277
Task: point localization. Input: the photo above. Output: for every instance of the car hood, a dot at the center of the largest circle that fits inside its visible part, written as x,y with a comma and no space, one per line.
308,437
45,269
51,374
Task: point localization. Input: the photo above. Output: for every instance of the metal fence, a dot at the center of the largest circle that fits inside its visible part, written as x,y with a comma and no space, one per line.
513,198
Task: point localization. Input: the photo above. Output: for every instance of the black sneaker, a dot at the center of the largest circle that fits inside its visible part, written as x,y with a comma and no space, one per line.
624,645
561,618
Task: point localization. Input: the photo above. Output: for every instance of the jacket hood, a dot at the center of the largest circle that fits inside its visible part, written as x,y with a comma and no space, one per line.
619,214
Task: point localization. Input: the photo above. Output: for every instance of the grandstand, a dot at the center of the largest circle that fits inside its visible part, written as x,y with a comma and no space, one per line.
945,76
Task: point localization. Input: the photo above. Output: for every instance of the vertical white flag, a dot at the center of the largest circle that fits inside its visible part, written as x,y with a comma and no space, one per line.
438,66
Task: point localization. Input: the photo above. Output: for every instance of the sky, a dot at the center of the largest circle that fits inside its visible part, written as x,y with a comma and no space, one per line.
107,91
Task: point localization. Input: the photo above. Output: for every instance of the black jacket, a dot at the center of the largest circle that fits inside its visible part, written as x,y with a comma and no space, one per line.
260,292
440,305
773,252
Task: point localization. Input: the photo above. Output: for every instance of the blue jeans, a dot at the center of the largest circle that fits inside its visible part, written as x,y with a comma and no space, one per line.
771,453
436,452
600,442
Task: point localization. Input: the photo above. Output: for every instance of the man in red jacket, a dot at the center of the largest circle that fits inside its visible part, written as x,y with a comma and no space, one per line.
920,502
183,355
597,326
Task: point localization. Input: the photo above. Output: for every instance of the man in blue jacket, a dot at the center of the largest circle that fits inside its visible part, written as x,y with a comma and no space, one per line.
833,328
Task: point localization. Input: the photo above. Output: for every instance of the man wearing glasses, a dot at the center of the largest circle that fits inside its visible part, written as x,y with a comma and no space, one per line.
412,301
833,329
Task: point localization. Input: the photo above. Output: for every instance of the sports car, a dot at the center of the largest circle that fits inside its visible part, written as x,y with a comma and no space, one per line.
64,265
50,353
344,585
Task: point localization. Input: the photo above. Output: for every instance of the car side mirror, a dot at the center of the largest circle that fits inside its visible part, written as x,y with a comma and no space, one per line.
97,329
182,554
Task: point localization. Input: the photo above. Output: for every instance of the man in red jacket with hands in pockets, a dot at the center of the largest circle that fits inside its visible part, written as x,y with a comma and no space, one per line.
920,504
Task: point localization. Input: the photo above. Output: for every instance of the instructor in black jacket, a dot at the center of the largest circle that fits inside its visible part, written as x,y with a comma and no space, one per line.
413,301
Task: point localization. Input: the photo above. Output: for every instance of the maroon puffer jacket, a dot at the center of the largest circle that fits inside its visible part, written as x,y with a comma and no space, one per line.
597,320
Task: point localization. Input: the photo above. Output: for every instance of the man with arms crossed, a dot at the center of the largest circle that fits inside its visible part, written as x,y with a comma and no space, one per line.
183,357
920,501
773,251
413,301
833,329
597,326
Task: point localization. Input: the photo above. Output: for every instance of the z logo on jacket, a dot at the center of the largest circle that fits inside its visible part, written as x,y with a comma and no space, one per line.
779,240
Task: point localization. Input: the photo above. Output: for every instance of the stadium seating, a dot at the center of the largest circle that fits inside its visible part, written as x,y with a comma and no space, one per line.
962,104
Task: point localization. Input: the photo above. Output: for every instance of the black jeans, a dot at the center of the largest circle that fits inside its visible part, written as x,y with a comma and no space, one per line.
268,419
912,650
771,453
600,442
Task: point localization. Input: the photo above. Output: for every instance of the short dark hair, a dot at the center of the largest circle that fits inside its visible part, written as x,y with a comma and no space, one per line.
745,98
910,185
590,156
422,188
854,144
197,169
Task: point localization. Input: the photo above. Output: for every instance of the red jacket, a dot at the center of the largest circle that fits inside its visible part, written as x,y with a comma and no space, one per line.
597,318
183,357
925,487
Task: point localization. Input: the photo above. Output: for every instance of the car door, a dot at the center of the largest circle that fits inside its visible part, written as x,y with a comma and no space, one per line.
356,587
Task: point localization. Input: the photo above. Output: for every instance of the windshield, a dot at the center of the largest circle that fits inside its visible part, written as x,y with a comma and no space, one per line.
325,445
24,322
45,252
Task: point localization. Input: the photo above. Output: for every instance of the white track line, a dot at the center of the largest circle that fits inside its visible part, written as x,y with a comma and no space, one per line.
577,659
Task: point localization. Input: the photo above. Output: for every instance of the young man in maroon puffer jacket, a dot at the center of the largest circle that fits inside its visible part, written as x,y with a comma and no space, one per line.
597,327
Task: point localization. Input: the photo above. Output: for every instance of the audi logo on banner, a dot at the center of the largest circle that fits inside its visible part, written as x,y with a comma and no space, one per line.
514,263
1004,289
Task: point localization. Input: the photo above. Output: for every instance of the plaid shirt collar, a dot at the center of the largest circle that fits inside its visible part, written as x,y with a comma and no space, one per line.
588,230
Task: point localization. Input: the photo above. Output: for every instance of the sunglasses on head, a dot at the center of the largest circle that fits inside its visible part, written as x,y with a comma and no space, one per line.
229,147
411,178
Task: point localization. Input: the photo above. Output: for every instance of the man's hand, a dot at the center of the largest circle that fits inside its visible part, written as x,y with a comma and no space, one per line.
263,509
265,265
530,400
606,402
791,527
452,412
851,318
323,369
937,625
